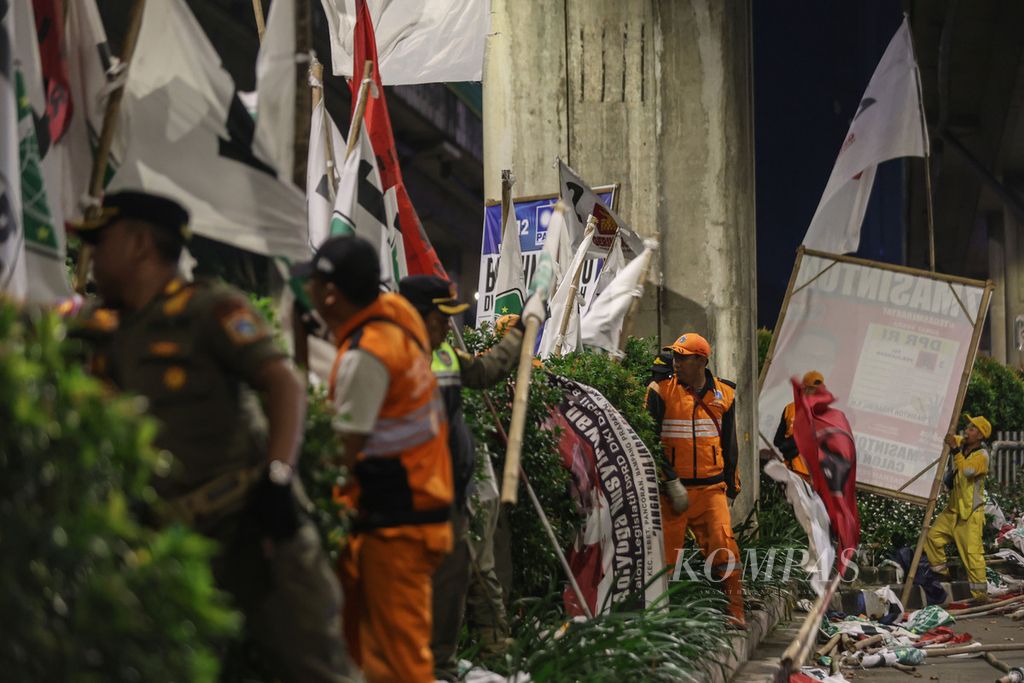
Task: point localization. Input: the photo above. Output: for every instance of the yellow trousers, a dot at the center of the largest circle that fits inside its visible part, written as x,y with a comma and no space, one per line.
966,533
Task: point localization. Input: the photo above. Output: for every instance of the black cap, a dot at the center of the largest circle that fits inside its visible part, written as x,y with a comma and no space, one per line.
349,262
429,292
160,212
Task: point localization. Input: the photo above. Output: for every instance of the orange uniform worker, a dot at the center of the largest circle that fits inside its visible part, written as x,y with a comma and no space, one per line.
784,440
694,414
392,424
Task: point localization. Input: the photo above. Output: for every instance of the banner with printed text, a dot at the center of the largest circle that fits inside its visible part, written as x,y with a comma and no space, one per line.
620,549
892,347
532,217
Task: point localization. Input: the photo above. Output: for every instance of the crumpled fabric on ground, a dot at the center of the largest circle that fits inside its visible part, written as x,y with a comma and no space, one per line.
878,659
910,656
882,605
943,635
1011,555
926,619
813,674
1012,534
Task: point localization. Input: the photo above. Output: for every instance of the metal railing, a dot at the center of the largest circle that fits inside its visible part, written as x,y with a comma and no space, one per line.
1007,457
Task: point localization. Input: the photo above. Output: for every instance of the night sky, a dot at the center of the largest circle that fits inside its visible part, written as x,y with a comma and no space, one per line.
812,62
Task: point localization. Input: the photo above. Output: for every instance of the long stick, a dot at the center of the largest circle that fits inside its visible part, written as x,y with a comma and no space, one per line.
927,162
782,316
357,117
510,481
99,162
794,655
968,649
316,70
957,406
261,22
570,301
917,476
629,322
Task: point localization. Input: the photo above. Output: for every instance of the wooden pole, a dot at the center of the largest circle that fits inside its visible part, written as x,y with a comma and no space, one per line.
570,301
782,316
957,406
357,117
927,159
510,481
316,71
261,22
629,322
795,654
110,116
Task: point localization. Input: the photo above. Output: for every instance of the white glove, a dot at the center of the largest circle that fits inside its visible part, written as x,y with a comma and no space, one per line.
535,308
677,494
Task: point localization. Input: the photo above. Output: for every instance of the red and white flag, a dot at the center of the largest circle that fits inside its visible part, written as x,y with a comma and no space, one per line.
887,125
420,255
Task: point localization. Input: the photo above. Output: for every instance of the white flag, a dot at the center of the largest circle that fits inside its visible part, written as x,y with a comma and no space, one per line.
566,299
602,325
325,147
362,208
583,203
13,279
190,138
811,513
92,72
887,125
42,218
422,41
275,86
611,267
510,281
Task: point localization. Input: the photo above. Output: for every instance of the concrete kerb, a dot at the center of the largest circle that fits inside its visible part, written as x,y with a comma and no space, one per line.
777,608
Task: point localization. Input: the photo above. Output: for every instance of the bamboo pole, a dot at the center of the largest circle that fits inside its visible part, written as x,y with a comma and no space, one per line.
856,260
972,649
929,202
795,654
782,316
110,116
357,117
510,480
316,71
629,322
570,301
261,22
957,407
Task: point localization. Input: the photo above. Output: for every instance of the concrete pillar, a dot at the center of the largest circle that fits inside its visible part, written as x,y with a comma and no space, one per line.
1006,268
655,95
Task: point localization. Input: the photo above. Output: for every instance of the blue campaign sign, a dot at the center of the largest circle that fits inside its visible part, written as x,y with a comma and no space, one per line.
532,219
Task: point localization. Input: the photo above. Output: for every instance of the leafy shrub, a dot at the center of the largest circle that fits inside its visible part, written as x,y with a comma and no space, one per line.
90,594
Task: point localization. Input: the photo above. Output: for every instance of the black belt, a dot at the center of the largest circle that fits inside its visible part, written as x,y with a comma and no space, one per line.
383,520
705,481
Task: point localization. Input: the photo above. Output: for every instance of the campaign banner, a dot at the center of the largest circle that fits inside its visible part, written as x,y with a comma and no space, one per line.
532,218
892,346
620,548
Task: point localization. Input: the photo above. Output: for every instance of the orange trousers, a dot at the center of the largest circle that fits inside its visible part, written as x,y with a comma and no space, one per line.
708,516
388,603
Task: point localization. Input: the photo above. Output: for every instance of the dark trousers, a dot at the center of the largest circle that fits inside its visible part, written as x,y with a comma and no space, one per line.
450,585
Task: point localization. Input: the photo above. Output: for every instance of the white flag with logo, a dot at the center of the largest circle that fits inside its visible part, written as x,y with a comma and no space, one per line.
363,209
510,281
418,41
322,177
583,203
602,325
13,279
887,125
191,138
565,299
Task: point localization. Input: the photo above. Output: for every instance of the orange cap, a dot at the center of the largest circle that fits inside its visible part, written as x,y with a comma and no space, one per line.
813,379
691,344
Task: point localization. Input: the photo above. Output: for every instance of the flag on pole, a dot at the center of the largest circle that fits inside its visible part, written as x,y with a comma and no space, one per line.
613,263
565,299
93,74
420,255
820,429
583,202
275,86
364,209
510,280
602,325
440,41
887,125
42,222
13,280
49,19
191,138
322,176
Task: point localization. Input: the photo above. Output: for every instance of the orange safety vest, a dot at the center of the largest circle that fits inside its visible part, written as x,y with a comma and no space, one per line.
797,464
691,430
404,472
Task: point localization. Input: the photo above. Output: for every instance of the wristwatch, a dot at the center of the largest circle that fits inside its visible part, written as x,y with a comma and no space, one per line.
280,472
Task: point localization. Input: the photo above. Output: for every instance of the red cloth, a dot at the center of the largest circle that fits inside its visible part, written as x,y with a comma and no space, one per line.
420,256
49,16
819,428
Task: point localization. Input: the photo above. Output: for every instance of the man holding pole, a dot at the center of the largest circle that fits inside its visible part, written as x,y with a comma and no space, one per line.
694,414
394,436
964,517
436,301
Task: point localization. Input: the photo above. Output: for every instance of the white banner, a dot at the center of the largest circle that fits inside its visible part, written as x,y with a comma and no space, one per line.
892,347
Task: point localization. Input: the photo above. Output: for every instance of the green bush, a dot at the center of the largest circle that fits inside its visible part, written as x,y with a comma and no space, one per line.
90,594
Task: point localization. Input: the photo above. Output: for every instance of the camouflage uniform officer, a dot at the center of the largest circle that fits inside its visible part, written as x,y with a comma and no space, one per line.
197,351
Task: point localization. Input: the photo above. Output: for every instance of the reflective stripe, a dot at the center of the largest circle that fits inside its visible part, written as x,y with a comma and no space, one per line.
448,379
395,434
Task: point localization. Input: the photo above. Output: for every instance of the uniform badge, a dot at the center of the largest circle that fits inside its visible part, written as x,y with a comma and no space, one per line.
176,304
174,378
242,327
444,357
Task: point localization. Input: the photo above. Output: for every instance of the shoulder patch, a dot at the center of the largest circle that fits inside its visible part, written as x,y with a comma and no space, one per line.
102,320
243,327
